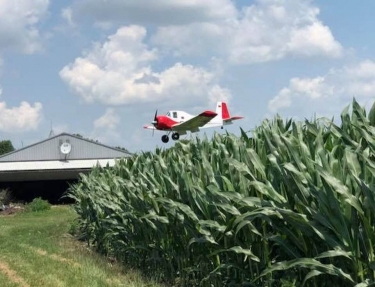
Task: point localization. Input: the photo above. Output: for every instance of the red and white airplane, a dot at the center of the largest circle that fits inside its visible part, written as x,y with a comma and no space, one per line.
179,122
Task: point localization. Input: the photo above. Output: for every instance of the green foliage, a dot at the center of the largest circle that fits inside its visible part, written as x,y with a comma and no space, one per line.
74,228
371,115
82,137
291,204
122,148
5,196
6,146
38,204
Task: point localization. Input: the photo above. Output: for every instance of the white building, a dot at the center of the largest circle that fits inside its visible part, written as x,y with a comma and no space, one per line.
53,164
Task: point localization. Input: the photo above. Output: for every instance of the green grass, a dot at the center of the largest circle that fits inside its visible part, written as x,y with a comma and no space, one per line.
36,250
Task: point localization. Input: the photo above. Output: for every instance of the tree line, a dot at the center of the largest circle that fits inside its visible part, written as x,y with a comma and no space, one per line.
6,146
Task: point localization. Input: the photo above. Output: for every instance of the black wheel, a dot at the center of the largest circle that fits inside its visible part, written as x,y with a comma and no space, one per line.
165,139
175,136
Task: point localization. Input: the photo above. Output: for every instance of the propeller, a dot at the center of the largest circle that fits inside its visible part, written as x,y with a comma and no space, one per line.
155,122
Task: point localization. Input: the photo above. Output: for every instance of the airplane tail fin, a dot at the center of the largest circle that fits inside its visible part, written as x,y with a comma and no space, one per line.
223,112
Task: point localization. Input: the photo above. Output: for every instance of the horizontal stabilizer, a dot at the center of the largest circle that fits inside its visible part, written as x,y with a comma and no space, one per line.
232,119
223,112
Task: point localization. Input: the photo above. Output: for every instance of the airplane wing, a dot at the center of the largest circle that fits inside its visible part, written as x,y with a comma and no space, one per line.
195,123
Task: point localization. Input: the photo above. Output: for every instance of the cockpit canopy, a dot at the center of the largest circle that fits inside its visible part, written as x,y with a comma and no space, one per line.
178,115
173,114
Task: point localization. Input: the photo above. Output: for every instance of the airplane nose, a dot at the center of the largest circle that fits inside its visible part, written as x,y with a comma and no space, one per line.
155,121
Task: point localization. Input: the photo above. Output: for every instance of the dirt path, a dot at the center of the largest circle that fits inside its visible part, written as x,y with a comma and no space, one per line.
53,256
12,275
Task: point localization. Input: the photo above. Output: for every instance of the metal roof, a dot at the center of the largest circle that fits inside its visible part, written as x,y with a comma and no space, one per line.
49,150
45,160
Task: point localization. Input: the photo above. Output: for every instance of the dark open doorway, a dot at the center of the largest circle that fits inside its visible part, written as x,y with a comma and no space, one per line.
50,190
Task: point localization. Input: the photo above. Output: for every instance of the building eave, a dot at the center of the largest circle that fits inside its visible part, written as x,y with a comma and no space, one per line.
49,170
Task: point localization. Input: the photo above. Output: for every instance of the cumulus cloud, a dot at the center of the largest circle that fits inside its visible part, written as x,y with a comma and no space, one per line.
265,31
327,94
109,120
18,24
17,119
154,12
119,72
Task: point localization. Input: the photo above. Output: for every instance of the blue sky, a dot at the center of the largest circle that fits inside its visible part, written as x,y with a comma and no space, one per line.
101,68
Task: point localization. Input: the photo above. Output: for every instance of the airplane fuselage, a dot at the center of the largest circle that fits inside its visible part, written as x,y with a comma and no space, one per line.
166,122
180,122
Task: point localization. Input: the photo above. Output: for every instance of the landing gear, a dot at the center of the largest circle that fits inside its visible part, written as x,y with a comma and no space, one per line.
165,138
175,136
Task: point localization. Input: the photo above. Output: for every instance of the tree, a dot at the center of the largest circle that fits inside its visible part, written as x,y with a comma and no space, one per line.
122,148
82,137
6,146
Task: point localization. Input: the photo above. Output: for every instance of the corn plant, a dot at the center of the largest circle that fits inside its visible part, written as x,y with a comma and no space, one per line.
289,204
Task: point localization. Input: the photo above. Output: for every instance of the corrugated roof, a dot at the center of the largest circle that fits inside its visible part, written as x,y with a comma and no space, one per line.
49,149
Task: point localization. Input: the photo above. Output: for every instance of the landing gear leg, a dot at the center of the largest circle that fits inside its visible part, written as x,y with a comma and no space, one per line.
165,139
175,136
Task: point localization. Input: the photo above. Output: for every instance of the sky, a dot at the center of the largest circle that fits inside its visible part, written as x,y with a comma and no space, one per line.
100,68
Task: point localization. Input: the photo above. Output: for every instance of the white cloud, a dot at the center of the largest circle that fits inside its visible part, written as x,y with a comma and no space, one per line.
159,12
109,120
119,72
267,30
313,40
364,70
22,118
67,15
327,94
17,119
18,24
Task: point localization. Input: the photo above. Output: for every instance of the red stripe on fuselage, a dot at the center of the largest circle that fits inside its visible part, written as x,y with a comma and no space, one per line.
165,123
208,114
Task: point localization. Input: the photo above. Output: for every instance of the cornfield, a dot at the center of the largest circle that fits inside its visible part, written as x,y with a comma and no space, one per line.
291,203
